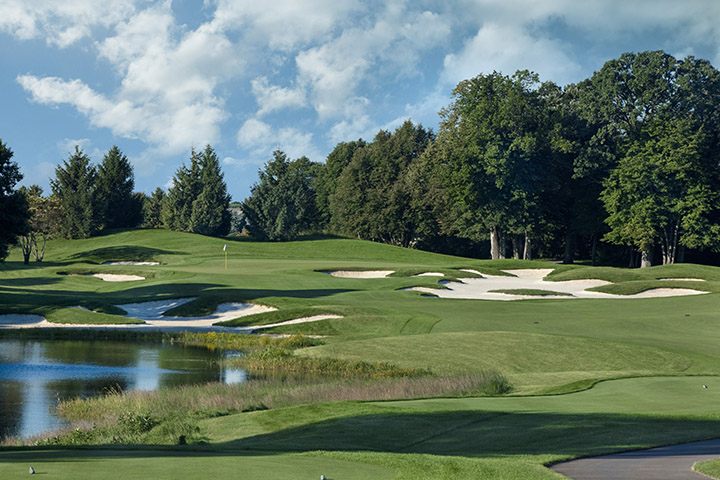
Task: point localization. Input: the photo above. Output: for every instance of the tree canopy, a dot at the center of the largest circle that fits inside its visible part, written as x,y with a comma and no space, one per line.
14,212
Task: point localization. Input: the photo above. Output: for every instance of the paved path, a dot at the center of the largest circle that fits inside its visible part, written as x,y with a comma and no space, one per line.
664,463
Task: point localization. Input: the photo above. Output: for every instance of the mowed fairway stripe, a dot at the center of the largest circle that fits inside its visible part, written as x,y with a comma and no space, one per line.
664,463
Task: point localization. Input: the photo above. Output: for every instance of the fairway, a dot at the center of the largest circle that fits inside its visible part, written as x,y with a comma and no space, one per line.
586,375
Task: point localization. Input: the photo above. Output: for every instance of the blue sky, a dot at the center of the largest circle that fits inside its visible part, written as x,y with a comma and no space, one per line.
156,78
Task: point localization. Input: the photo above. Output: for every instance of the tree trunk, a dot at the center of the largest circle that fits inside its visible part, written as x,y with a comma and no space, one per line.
569,248
516,247
503,245
494,243
527,253
646,258
632,258
26,247
593,255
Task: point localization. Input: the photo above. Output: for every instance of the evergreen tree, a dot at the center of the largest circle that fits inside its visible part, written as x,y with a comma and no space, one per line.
14,212
328,177
74,186
210,214
198,200
177,208
152,209
282,203
115,183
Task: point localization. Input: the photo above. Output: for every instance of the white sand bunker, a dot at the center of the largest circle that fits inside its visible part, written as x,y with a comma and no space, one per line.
682,279
114,277
360,273
131,263
430,274
533,279
152,313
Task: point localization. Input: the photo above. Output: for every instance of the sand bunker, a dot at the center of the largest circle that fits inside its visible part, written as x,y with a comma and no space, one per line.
430,274
152,314
360,273
113,277
682,279
479,288
131,263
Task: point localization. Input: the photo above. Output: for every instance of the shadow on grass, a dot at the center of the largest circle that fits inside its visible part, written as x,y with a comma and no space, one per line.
121,253
460,433
23,299
28,281
484,434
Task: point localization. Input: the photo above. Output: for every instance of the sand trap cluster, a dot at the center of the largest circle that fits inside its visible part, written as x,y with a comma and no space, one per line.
360,273
131,263
479,288
152,314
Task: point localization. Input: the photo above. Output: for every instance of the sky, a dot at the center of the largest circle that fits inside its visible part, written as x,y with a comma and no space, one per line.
157,78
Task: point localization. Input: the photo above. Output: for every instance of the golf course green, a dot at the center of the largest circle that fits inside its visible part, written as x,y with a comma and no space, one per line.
410,386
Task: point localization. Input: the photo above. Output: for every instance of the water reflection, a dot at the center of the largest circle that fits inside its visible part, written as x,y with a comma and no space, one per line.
35,375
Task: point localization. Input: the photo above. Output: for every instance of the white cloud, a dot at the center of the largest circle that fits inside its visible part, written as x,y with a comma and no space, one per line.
260,139
167,96
507,49
272,97
61,22
254,133
283,24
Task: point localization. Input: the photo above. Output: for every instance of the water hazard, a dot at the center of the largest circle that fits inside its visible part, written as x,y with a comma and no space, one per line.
35,374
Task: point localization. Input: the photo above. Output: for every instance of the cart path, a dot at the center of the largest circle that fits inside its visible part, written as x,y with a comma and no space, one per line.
673,462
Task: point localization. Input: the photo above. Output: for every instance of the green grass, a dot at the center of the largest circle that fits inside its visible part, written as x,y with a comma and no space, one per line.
532,292
710,468
658,350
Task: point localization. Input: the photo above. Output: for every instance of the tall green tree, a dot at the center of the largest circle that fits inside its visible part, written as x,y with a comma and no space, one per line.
210,214
282,203
663,113
74,186
14,212
371,199
494,134
152,209
198,200
115,183
328,176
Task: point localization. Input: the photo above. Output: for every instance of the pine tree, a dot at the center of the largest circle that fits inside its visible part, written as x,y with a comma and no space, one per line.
74,186
152,210
210,214
14,212
115,182
282,203
198,200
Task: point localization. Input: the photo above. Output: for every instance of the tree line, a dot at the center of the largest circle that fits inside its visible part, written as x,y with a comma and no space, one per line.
626,160
87,198
622,164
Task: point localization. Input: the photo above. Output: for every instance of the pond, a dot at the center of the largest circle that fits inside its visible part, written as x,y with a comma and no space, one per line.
35,374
